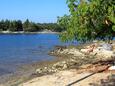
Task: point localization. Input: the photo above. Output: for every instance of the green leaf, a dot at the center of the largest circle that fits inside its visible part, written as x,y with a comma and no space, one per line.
113,27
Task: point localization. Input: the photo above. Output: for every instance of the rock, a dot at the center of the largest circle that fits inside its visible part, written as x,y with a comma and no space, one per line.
45,68
113,45
103,54
111,68
107,47
76,58
65,66
39,70
86,66
72,51
60,47
84,50
60,66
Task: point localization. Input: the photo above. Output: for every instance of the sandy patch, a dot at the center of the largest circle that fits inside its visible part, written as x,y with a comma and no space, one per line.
64,78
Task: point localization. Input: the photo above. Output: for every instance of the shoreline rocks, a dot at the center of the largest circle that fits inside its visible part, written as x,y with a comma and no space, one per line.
73,58
76,58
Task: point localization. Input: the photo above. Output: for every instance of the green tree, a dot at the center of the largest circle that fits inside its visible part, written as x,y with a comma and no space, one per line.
26,25
63,21
89,20
7,24
2,25
19,25
32,27
13,26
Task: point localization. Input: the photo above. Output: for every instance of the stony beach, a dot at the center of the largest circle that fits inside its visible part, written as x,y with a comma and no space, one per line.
71,65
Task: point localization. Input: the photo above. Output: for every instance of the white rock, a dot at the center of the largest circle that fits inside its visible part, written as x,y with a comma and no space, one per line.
84,50
64,66
75,52
39,70
111,68
104,54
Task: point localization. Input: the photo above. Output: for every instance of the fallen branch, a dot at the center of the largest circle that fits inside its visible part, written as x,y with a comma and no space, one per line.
97,70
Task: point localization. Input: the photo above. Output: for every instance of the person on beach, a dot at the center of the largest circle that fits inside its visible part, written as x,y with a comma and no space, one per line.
89,49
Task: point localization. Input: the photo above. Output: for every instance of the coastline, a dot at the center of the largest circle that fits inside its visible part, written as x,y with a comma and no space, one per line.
27,72
71,69
22,32
68,61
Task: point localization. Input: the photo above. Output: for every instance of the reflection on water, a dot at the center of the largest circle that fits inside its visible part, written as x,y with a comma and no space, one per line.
17,49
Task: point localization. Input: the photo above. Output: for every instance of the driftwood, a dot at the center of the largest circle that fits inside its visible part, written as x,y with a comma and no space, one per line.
94,71
96,67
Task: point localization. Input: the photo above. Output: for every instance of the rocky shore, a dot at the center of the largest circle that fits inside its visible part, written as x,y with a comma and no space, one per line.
75,66
72,58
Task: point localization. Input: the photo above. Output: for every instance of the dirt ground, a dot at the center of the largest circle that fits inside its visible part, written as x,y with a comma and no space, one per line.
74,77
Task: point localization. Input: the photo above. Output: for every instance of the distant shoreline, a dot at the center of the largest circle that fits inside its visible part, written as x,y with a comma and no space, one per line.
22,32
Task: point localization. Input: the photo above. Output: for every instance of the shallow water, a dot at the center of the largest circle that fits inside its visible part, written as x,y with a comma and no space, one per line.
19,49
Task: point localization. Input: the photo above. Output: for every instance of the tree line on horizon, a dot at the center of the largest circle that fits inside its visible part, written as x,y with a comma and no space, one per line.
28,26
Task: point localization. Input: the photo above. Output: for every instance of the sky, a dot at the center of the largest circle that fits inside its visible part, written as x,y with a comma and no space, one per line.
43,11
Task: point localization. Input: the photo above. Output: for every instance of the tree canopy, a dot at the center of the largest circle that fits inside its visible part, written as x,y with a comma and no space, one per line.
89,20
28,26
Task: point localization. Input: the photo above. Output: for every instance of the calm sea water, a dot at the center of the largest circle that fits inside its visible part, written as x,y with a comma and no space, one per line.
18,49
